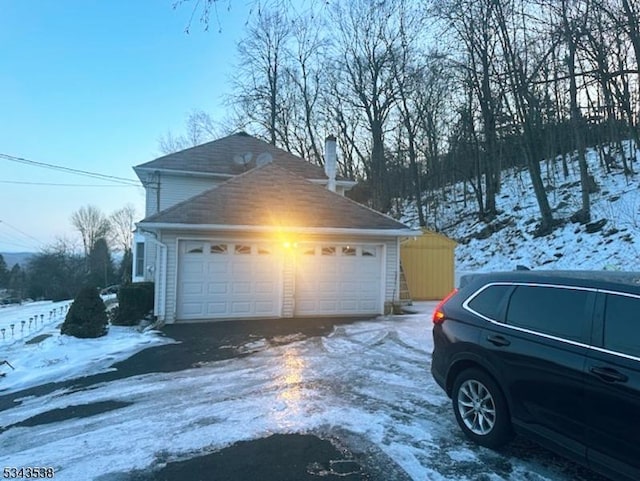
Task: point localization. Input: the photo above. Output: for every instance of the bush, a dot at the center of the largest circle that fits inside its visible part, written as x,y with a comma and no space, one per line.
134,303
87,317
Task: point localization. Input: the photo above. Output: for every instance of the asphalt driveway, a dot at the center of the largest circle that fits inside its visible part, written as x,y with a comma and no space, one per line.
371,377
280,457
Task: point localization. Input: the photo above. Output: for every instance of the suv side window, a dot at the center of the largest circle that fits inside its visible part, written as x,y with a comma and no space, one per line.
556,311
489,302
622,324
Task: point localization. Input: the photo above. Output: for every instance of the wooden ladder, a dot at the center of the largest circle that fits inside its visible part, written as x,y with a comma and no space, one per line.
405,295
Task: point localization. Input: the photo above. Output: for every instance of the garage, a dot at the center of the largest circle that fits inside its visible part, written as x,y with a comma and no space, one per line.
226,279
338,279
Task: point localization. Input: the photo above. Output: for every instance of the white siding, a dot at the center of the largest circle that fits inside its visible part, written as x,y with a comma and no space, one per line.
174,189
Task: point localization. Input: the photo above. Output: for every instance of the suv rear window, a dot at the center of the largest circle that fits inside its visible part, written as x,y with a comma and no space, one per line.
621,325
489,301
555,311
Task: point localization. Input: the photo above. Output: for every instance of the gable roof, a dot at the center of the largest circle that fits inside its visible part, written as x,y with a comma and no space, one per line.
232,155
273,197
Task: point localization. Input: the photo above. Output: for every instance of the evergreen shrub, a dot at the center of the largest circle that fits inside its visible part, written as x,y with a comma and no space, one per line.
87,316
135,301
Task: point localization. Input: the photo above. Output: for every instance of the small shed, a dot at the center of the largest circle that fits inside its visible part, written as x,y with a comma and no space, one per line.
428,263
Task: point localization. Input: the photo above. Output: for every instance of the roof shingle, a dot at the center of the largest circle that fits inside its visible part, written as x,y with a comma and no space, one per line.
233,155
273,196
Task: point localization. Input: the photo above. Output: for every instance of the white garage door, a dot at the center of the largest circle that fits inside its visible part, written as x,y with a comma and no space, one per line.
220,279
338,280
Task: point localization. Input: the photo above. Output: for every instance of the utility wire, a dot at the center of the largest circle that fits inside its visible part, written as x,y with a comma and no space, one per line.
21,232
64,185
111,178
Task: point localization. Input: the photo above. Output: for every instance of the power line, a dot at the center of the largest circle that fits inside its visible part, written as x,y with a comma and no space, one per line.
22,232
63,185
110,178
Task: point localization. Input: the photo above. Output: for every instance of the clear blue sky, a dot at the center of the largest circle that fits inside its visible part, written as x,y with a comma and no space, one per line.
91,85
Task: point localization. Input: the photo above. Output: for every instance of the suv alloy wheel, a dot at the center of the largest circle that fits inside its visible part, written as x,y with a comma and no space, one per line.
480,409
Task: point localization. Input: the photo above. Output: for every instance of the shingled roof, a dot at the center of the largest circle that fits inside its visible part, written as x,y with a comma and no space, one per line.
233,155
273,196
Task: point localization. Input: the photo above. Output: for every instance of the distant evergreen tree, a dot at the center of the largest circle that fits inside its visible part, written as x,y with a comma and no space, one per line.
87,317
4,273
124,271
17,281
55,274
100,265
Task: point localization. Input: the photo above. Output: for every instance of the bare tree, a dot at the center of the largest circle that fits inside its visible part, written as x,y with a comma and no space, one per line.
366,39
199,128
261,72
474,23
92,225
573,27
122,225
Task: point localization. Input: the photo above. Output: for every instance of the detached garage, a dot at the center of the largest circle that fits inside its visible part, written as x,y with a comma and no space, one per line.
428,262
269,244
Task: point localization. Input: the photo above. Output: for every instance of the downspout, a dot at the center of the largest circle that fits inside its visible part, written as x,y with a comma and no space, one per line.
160,276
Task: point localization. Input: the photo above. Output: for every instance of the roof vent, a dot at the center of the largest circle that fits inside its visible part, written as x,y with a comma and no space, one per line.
243,133
264,158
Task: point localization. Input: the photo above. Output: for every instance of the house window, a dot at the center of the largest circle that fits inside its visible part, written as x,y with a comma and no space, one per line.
309,251
328,251
243,249
369,252
139,268
218,249
348,251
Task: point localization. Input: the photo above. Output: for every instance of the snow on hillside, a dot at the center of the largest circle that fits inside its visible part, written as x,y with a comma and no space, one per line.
508,241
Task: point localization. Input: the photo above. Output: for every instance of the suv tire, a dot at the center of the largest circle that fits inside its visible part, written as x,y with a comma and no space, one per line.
481,409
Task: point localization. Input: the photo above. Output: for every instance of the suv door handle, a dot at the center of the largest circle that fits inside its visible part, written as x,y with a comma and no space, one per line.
608,374
498,341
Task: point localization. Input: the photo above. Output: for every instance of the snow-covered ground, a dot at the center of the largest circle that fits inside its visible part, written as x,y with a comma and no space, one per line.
570,246
21,322
370,379
37,353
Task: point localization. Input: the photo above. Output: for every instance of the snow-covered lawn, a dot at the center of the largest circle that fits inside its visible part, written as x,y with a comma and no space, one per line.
370,379
39,354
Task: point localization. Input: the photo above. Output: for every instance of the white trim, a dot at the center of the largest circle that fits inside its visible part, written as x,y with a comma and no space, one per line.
383,279
184,173
159,277
262,229
138,238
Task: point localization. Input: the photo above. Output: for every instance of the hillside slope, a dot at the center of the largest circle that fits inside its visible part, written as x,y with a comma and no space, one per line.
508,241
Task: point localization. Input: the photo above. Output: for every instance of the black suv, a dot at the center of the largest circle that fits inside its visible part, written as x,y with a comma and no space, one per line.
552,355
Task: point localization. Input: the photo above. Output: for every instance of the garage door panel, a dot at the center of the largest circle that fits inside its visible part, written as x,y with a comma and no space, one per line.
242,308
192,308
215,309
193,268
241,288
219,268
193,288
220,288
265,287
265,307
